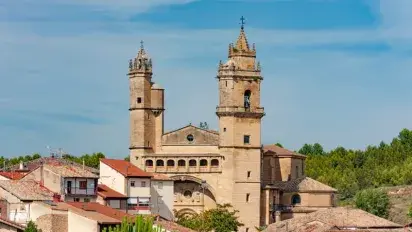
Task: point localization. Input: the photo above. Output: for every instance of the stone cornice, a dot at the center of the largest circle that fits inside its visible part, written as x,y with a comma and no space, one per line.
242,147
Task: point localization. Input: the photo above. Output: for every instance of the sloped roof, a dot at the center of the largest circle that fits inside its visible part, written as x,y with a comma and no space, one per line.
190,125
101,209
34,164
157,176
27,190
69,171
13,175
12,224
339,217
280,151
106,192
303,184
125,168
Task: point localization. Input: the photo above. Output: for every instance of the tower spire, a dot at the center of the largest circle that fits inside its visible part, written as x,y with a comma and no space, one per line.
242,43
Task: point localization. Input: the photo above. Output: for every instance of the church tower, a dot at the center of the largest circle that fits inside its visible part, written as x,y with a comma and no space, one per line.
240,116
146,108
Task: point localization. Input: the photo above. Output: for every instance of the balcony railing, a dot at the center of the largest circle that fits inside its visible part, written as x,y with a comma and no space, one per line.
134,207
282,208
80,191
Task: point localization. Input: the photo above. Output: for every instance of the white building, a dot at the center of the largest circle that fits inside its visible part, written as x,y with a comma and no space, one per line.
126,187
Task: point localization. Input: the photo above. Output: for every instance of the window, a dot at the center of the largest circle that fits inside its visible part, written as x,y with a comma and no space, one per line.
224,129
76,199
246,96
149,163
160,163
83,184
295,199
144,201
187,194
86,199
190,138
181,163
203,163
132,183
160,185
139,100
247,197
192,163
143,184
170,163
246,139
247,229
214,163
226,83
297,171
248,174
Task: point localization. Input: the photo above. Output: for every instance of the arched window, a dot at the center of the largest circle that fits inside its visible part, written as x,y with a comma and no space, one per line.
170,163
149,163
296,199
247,99
160,163
192,163
181,163
203,162
214,163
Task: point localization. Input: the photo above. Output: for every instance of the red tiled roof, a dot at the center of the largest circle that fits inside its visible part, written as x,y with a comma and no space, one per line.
280,151
125,168
13,175
106,192
101,209
12,224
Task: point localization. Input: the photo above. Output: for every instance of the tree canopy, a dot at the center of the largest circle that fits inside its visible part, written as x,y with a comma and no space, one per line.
352,170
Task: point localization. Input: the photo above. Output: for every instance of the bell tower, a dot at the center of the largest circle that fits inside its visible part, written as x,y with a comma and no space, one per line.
240,114
142,119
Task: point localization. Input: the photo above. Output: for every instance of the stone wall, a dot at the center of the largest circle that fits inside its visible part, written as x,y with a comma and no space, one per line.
52,223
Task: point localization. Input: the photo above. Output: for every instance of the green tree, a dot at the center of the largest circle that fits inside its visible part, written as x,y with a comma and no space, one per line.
374,201
219,219
31,227
279,145
140,224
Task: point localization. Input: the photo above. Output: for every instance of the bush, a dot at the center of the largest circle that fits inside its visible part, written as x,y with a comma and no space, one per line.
374,201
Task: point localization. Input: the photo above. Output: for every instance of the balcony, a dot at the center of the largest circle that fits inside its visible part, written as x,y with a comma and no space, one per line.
80,191
282,208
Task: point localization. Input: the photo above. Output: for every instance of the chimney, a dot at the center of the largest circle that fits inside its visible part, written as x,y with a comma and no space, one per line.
41,174
21,165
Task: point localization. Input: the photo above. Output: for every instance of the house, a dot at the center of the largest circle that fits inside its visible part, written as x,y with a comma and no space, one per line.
9,226
70,183
83,216
17,198
112,198
336,219
127,179
162,196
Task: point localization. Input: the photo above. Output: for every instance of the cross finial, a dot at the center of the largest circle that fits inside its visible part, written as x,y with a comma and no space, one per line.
141,44
242,22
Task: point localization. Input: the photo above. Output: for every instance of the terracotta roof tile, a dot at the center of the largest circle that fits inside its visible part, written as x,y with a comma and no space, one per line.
34,164
280,151
13,175
27,190
304,184
125,168
106,192
69,171
339,217
102,209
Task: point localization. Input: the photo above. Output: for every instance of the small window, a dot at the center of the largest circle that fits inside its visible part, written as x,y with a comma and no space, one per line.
247,197
214,163
224,129
192,163
181,163
86,199
248,174
83,184
295,199
170,163
160,163
132,183
246,139
190,138
76,199
143,184
226,83
139,100
203,162
160,185
149,163
247,229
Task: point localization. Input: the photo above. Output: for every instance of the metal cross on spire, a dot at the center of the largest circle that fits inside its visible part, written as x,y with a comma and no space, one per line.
242,22
141,44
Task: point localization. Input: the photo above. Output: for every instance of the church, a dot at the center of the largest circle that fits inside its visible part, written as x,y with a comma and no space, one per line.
265,183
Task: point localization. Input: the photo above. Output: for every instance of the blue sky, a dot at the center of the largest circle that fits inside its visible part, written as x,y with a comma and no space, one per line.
337,72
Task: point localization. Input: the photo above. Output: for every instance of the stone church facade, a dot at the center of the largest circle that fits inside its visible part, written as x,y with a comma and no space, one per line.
265,183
